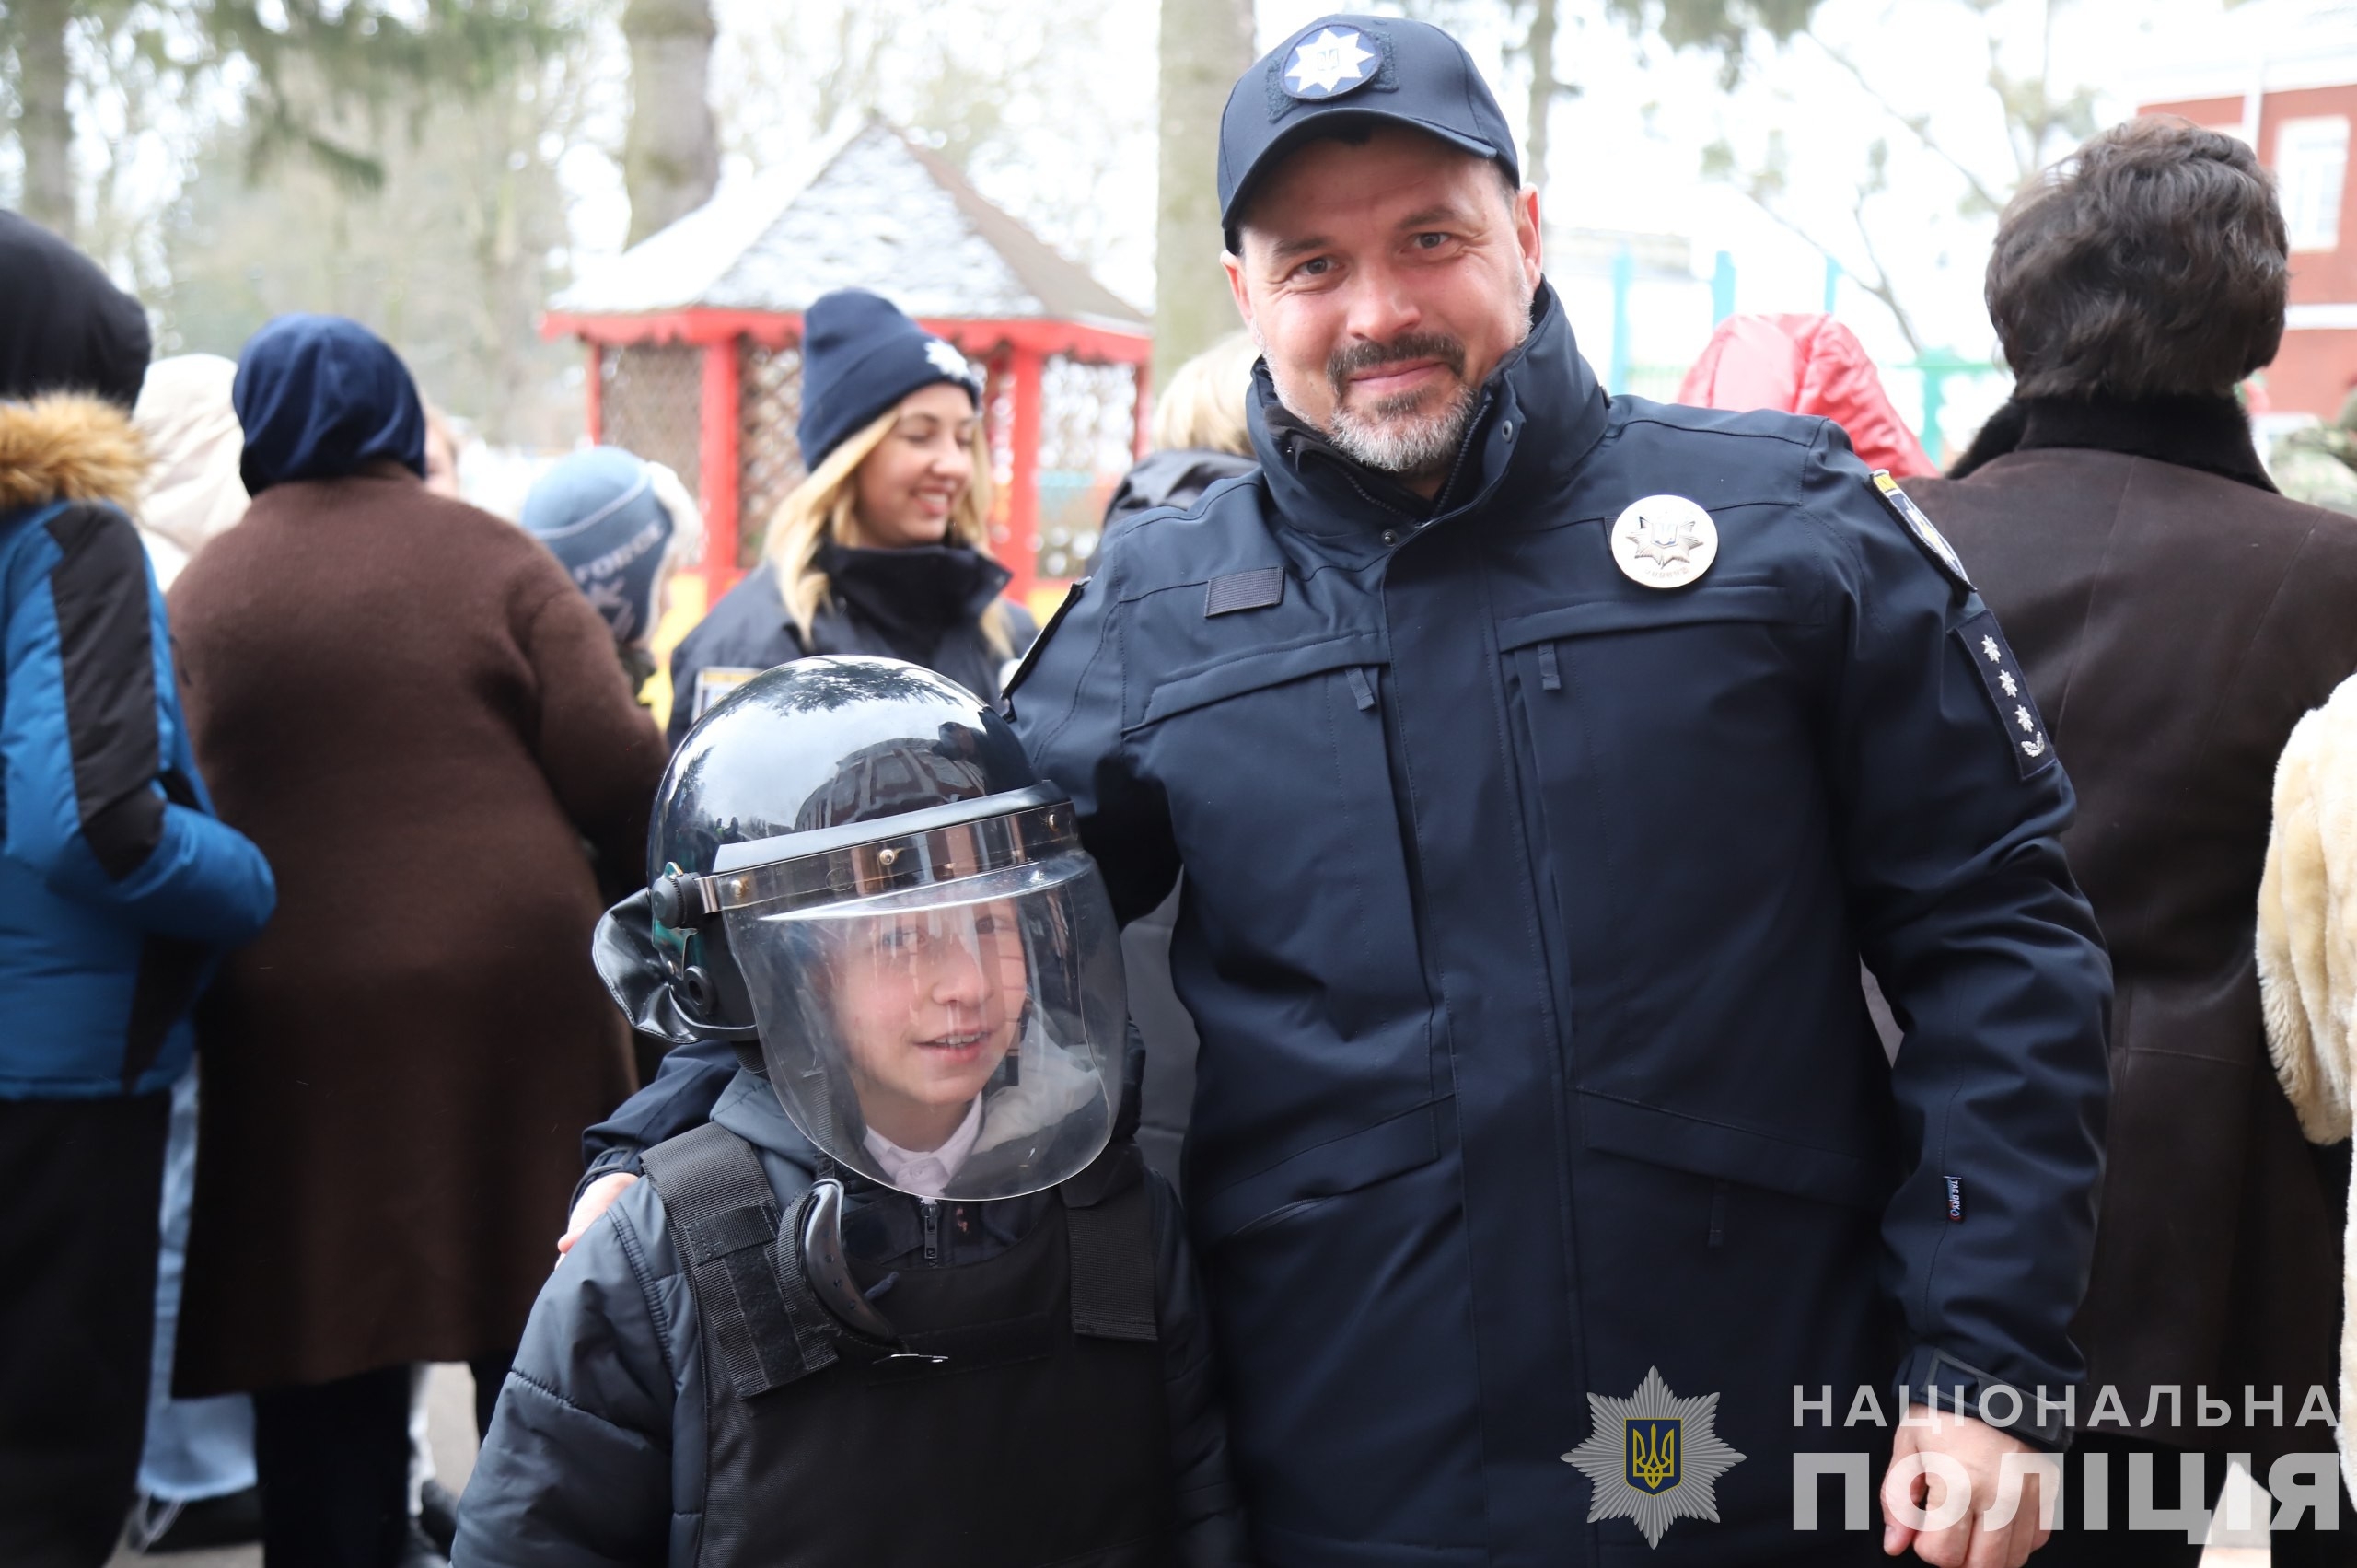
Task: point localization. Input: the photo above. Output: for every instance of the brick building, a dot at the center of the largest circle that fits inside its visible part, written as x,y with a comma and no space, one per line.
2282,75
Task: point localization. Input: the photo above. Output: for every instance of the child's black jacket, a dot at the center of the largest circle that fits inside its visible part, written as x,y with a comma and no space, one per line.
596,1454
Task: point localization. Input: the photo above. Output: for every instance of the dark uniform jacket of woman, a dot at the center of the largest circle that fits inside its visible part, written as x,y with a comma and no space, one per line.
923,605
411,710
2175,617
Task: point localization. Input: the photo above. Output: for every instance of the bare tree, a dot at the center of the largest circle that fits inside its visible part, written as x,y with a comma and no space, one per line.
672,159
1766,185
1724,27
341,52
2040,120
1206,45
44,123
2040,123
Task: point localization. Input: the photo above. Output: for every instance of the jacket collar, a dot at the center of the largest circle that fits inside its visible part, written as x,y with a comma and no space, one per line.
920,593
2208,432
1539,414
65,447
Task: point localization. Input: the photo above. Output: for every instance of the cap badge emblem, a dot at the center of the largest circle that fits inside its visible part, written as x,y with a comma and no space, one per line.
1663,542
1330,65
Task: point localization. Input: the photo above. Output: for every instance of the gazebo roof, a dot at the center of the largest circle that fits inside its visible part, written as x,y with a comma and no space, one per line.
883,213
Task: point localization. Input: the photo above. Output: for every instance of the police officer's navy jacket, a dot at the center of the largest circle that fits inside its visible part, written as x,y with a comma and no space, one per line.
118,887
1523,914
598,1451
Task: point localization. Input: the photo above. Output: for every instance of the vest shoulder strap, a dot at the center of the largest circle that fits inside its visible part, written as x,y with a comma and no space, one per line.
1109,1228
720,1206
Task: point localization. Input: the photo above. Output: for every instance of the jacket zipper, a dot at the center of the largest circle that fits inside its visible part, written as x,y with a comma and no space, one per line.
1464,445
932,1210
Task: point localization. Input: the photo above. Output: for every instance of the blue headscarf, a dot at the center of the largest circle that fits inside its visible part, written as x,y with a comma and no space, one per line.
320,397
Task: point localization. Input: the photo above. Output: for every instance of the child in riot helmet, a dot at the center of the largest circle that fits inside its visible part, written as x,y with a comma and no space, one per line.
913,1269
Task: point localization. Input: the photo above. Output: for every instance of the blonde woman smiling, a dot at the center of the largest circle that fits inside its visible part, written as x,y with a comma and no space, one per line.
880,550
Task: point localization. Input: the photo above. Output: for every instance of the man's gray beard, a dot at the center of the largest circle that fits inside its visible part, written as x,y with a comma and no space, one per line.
1413,447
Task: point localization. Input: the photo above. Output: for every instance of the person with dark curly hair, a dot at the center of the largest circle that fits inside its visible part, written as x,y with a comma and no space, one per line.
2174,616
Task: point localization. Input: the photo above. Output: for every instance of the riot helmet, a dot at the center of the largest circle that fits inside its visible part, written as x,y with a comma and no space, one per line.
854,869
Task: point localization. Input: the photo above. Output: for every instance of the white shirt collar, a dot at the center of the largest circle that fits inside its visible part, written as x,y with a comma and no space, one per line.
926,1173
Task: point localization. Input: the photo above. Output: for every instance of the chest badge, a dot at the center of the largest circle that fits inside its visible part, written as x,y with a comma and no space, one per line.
1664,541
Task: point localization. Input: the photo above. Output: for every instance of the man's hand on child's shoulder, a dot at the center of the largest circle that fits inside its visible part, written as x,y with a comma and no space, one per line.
595,1200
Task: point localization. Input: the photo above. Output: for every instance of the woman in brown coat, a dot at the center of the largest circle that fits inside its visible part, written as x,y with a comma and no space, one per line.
2175,618
408,705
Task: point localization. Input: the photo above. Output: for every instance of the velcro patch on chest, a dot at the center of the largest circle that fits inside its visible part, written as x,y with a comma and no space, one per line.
2000,677
1245,590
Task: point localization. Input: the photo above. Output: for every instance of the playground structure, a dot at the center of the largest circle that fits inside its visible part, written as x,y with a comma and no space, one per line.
1644,287
694,344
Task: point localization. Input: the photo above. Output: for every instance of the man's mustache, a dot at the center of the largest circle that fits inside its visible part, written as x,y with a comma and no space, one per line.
1345,363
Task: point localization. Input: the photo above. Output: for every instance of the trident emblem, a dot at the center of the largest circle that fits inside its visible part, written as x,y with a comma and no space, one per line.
1652,1454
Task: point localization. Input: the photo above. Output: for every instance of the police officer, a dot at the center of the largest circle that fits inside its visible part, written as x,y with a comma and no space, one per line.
1542,765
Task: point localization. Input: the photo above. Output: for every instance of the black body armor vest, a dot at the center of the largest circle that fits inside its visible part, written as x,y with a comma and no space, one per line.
1014,1419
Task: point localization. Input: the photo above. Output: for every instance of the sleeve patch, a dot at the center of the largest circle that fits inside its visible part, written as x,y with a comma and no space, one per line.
1911,516
2000,677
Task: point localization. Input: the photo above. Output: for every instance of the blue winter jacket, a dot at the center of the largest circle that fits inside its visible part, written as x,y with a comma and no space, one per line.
598,1451
119,888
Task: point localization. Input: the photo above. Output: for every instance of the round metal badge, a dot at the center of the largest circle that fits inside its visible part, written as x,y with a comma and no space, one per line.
1664,541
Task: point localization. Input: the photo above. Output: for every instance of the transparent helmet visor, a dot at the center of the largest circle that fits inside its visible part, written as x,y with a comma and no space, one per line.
960,1039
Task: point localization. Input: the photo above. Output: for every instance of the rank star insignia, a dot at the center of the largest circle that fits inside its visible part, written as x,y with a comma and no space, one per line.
2008,688
1328,65
1663,542
1653,1458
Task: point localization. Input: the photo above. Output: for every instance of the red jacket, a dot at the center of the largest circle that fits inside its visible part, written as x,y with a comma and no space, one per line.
1805,364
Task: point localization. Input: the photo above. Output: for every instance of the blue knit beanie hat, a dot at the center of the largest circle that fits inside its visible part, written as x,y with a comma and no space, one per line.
859,357
596,510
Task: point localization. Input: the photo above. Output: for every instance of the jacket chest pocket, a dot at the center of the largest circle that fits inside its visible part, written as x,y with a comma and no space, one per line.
1296,948
1678,782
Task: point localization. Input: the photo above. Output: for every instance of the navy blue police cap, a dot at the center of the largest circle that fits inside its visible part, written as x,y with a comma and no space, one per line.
1343,70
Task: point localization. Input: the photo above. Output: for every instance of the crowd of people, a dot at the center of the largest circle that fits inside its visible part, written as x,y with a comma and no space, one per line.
1629,925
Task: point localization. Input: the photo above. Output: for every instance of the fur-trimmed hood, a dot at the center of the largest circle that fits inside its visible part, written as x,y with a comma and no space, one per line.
67,447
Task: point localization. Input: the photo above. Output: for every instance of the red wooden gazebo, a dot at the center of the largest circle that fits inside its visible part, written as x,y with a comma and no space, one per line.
695,337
